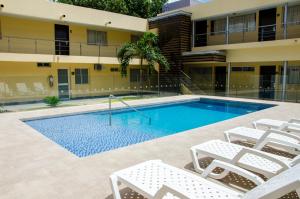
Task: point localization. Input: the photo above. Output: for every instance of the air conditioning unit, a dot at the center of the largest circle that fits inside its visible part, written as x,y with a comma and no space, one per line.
41,64
97,66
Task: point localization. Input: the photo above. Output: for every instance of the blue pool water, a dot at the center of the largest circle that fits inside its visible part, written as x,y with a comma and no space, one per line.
90,133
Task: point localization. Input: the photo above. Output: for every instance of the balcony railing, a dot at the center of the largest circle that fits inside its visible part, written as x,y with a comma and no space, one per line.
55,47
253,34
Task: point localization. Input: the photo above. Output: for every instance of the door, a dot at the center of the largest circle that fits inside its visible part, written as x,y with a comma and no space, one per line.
267,81
200,33
63,83
62,46
220,79
267,25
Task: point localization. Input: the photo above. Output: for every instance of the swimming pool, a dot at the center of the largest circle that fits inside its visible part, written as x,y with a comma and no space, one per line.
90,133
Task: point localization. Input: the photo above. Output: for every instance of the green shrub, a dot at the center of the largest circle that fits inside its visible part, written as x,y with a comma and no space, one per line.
2,109
52,101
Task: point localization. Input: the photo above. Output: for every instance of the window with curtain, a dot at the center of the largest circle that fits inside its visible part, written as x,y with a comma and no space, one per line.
293,75
218,26
243,23
81,76
293,16
96,37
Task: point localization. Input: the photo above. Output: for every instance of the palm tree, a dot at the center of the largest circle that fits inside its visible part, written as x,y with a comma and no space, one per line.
146,49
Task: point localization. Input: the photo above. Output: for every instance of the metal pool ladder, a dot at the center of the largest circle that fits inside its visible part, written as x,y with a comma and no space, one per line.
122,101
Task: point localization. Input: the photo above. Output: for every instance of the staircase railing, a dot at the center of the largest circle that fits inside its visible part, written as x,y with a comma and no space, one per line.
123,102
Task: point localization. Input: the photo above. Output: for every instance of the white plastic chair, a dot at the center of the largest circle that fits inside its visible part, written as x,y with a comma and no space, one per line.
245,157
292,125
157,180
261,138
23,89
39,88
4,90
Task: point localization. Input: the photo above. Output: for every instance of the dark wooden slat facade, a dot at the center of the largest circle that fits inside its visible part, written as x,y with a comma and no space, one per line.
204,58
174,39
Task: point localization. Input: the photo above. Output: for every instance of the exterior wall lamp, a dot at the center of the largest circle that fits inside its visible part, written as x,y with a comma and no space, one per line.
108,23
62,17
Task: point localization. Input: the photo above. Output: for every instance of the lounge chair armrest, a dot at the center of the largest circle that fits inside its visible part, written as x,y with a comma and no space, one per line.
287,126
232,168
260,154
279,132
169,189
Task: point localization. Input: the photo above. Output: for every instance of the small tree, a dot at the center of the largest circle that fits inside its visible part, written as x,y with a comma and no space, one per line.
146,48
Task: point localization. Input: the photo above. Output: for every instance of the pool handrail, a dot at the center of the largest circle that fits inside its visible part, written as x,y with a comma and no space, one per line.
126,104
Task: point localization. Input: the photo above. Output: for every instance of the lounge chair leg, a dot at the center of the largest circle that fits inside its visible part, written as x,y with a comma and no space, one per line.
115,187
195,161
254,125
227,137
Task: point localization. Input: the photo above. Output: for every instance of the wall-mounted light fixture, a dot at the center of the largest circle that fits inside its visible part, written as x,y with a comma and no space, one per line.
62,17
108,23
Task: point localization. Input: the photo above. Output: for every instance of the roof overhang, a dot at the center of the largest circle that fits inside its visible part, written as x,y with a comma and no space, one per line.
204,56
170,14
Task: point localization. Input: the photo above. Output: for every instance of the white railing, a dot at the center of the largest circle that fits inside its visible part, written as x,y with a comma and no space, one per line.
123,102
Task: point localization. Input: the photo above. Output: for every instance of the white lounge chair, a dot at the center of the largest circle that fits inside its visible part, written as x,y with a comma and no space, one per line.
4,90
157,180
287,141
245,157
39,88
23,89
291,125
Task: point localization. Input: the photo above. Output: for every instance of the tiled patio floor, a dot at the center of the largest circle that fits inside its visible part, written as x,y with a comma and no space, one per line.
32,166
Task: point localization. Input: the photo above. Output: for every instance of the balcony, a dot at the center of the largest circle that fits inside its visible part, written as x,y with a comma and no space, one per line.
10,44
246,35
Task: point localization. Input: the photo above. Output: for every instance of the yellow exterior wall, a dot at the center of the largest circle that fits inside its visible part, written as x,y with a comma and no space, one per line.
35,81
293,30
31,36
220,7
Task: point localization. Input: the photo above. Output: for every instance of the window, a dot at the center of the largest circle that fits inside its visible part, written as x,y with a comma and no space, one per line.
244,23
114,69
218,26
135,75
135,38
96,37
293,75
243,69
81,76
293,16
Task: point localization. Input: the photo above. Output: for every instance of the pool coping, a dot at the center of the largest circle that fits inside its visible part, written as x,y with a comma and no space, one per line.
29,160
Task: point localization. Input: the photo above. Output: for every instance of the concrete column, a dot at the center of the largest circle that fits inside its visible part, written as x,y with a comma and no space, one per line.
193,34
227,29
285,25
228,78
283,94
